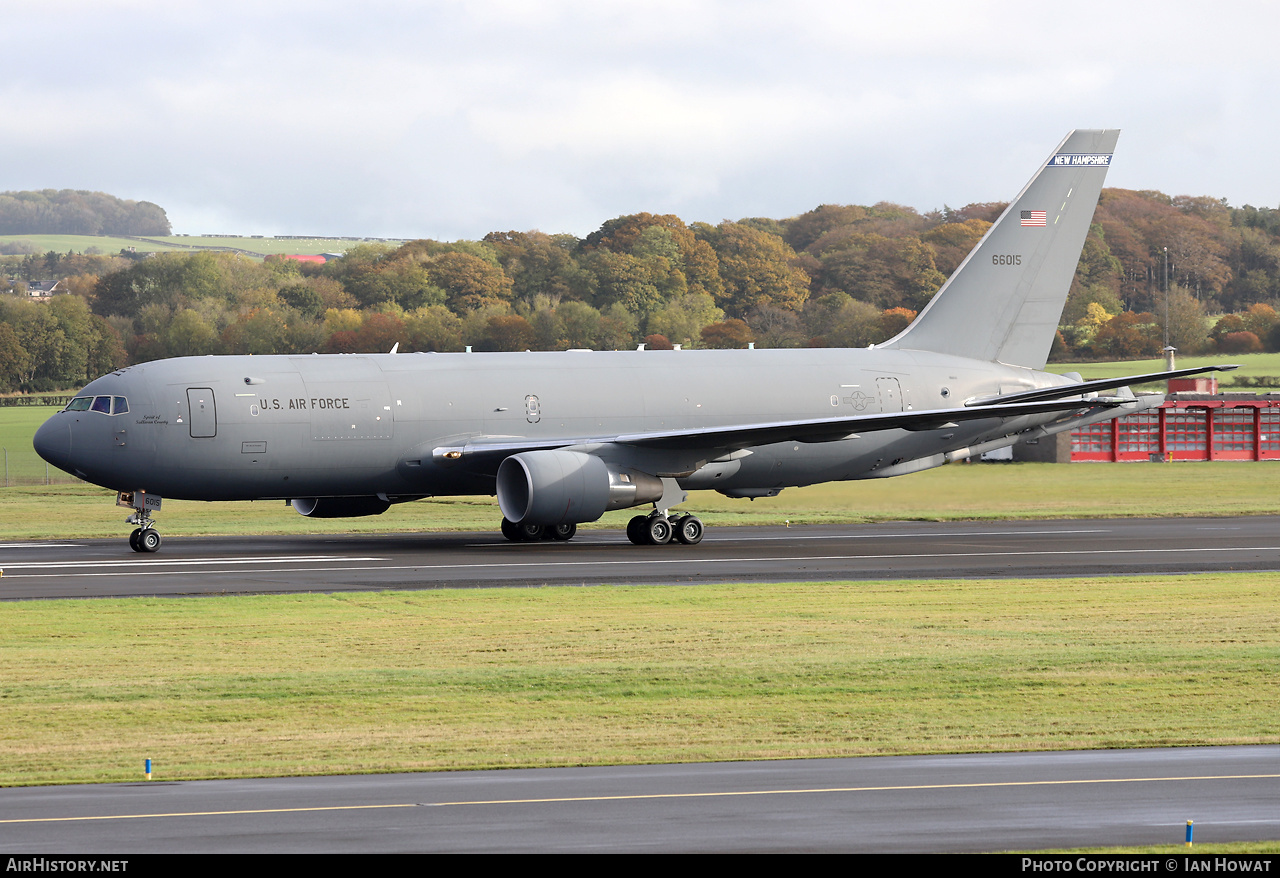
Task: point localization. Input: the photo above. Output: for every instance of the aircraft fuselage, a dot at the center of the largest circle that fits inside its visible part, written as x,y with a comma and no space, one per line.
247,428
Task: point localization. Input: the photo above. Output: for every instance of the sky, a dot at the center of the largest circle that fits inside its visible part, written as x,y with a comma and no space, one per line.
448,120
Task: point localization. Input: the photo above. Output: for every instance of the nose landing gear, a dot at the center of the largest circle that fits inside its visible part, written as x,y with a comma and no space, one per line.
145,538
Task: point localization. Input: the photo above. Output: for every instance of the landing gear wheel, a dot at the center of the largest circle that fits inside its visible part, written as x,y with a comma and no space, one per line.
636,530
149,540
658,530
531,533
133,539
689,530
562,532
522,533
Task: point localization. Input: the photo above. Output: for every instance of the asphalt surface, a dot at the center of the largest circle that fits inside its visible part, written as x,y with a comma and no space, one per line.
984,802
227,565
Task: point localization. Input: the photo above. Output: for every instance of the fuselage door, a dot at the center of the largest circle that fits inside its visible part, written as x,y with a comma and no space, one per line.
204,420
890,394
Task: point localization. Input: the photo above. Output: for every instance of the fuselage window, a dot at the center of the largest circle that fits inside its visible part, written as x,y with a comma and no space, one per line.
101,404
119,406
79,404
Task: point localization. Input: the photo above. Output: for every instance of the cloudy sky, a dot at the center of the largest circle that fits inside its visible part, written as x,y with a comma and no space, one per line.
451,119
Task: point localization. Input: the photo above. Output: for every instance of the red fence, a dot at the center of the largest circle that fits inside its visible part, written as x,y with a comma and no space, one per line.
1231,426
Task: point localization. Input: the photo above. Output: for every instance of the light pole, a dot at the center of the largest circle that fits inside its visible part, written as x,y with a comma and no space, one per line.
1166,296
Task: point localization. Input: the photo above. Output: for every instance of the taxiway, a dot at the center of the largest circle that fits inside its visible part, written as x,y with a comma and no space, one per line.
978,802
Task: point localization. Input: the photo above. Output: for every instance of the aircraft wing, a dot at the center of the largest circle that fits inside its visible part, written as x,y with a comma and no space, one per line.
1063,391
481,451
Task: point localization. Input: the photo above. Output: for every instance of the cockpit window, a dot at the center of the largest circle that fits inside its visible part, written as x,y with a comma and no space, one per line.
108,405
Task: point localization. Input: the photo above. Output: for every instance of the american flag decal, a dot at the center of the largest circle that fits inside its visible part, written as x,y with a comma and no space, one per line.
1034,218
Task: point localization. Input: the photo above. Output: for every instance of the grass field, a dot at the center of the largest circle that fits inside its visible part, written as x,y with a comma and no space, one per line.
82,243
22,466
260,246
1251,365
404,681
1198,850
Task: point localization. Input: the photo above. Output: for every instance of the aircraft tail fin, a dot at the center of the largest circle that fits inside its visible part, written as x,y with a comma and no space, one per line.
1004,301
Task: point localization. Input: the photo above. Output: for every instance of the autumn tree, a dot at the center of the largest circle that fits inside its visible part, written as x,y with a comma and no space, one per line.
1187,326
775,327
191,335
757,269
378,333
836,320
894,320
14,359
1243,342
259,331
539,264
625,280
506,332
469,282
951,242
807,228
886,272
1128,336
678,260
433,328
682,320
731,333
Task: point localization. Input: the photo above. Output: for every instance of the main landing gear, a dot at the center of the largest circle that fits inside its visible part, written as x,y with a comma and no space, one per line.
657,529
532,533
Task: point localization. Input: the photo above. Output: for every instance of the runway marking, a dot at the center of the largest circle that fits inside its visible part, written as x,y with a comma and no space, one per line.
209,813
910,536
40,545
184,562
877,789
643,796
613,562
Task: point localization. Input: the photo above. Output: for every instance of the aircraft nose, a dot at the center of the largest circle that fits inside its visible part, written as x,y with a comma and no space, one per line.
53,442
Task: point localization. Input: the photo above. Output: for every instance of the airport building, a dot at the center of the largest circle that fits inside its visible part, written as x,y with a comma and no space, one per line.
1189,426
1196,422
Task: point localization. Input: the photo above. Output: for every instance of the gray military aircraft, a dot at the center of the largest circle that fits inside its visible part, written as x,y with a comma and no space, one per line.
563,437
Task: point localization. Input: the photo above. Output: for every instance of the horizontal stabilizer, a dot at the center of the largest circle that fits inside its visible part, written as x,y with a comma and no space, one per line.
1063,391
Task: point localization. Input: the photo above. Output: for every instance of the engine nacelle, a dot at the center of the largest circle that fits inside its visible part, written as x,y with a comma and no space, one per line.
568,487
340,507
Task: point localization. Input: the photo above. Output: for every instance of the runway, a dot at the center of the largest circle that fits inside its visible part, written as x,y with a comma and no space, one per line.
896,550
981,802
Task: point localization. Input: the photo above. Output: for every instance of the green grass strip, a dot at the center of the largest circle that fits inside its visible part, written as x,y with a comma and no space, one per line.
955,492
457,679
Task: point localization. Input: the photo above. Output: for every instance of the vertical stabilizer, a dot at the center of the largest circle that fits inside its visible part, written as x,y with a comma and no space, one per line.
1004,301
